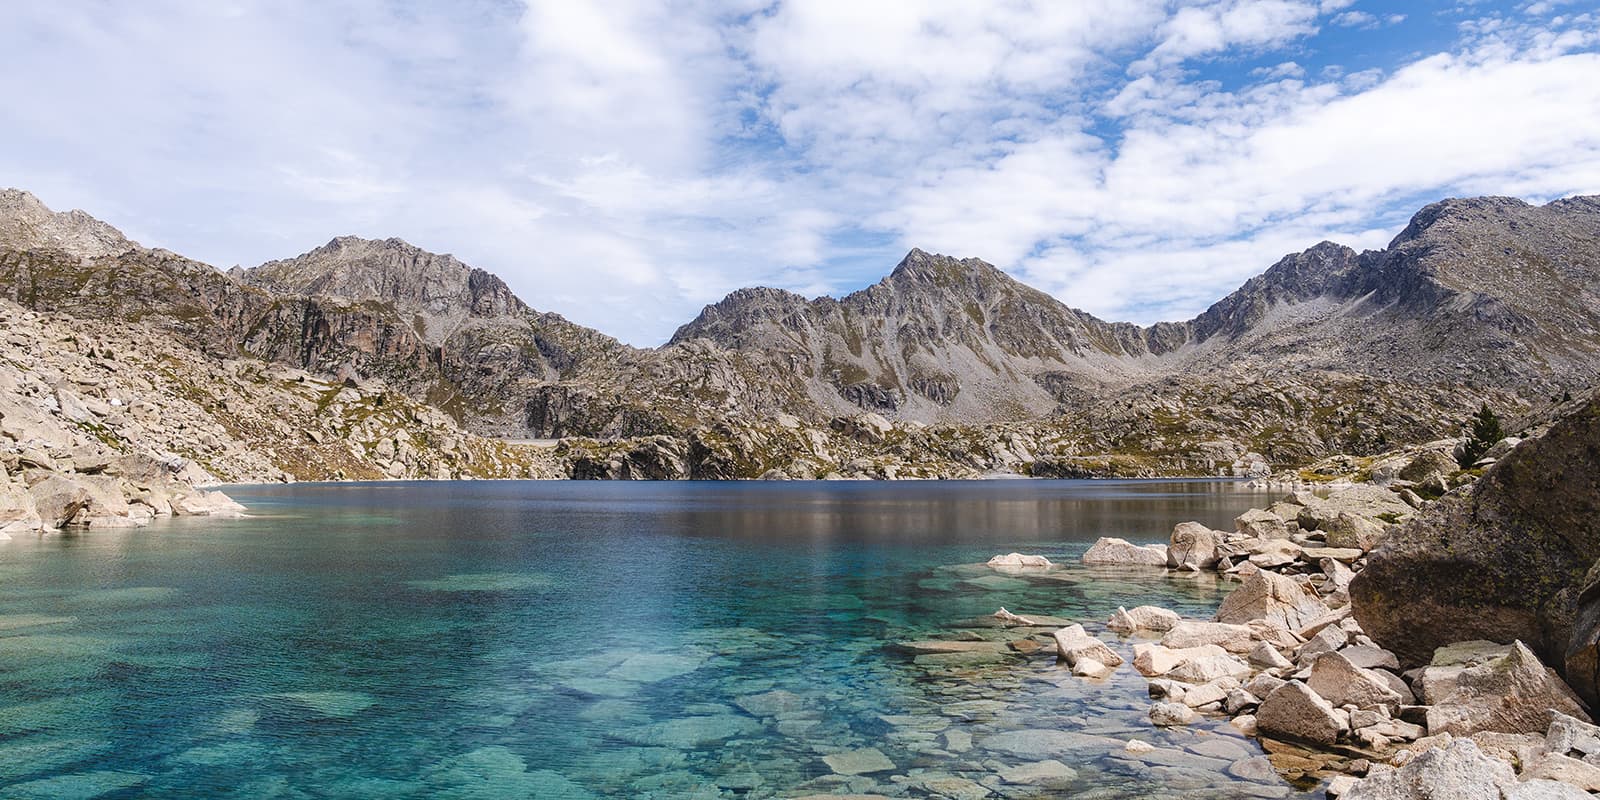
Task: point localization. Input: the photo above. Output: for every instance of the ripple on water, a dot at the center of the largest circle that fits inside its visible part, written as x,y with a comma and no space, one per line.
487,582
329,704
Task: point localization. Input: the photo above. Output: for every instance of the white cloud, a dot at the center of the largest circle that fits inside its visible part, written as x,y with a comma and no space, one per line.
623,163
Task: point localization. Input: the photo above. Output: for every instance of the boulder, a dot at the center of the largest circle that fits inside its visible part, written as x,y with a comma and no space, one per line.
1142,618
1154,659
18,513
198,503
1019,560
1193,547
1261,524
1192,633
1457,771
59,500
1342,683
1293,711
1503,560
1512,694
1433,465
1361,500
1565,769
1074,644
1272,597
1570,736
1206,669
1111,551
1171,715
1540,789
1265,656
1368,657
1352,531
1327,640
1206,694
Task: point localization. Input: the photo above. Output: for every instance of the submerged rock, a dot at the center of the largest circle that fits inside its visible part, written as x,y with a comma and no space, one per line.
858,762
1019,560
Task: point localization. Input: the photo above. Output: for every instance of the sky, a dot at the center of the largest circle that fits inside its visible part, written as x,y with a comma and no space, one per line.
626,162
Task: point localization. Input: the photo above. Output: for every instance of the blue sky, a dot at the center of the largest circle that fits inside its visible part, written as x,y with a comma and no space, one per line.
624,163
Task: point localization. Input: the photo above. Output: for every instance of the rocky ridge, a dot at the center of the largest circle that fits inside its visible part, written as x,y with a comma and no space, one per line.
946,368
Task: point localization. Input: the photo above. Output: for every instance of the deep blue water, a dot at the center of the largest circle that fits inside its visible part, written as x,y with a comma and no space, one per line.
574,640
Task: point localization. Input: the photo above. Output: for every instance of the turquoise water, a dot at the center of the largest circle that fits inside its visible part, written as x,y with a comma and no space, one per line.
577,640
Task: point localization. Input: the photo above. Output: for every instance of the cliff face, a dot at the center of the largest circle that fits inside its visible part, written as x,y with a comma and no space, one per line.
1328,350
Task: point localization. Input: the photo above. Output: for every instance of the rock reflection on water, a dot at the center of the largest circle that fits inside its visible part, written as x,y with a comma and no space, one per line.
579,642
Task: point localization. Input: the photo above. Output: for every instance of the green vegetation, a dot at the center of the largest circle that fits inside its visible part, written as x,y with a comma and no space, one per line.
1485,431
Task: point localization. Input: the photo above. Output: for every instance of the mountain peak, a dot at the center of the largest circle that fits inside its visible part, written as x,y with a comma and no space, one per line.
919,264
440,288
26,223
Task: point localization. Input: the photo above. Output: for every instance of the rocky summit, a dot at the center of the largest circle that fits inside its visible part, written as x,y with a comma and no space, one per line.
946,368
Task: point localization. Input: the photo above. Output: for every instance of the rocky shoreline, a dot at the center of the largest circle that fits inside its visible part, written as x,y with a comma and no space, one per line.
1287,661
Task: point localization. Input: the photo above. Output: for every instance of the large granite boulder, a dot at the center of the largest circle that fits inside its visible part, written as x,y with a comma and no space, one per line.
1504,561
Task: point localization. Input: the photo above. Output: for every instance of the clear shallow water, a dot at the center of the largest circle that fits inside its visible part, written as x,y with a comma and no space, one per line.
575,640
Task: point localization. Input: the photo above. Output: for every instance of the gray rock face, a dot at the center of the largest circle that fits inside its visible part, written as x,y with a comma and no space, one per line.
1504,561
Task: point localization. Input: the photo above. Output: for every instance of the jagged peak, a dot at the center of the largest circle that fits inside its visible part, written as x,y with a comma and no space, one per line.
919,264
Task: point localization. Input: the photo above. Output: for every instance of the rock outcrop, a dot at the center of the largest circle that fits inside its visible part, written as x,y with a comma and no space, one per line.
1504,560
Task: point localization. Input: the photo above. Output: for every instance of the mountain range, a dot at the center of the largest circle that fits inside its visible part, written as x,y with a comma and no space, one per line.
946,367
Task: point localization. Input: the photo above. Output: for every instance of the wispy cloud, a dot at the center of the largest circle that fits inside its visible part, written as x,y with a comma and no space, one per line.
624,163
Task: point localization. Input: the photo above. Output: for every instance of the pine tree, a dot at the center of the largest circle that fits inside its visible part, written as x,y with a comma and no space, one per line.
1485,431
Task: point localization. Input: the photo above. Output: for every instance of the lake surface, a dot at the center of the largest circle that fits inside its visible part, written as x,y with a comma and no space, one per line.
578,640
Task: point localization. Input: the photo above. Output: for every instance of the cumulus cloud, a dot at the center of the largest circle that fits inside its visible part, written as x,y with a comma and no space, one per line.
624,163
